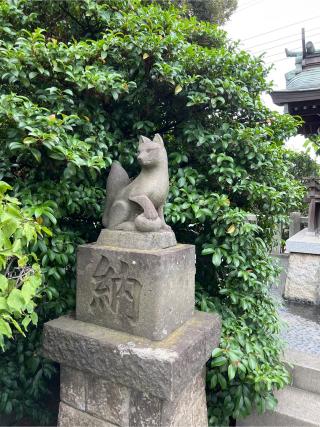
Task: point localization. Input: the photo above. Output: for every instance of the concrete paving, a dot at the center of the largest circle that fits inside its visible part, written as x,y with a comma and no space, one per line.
296,408
305,369
300,333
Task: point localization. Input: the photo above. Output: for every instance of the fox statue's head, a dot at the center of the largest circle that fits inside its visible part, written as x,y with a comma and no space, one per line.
151,153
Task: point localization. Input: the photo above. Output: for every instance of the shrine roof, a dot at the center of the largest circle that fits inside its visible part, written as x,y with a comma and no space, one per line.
303,82
307,79
281,97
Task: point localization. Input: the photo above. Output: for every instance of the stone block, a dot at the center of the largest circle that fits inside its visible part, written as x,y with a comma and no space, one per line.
144,293
108,405
137,240
303,279
305,370
159,368
189,409
73,387
145,410
108,400
71,417
304,242
114,404
295,223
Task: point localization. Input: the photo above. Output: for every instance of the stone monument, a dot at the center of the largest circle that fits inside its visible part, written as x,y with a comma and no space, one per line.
135,351
303,279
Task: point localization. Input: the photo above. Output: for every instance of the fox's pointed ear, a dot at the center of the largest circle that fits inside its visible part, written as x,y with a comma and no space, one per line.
157,138
143,139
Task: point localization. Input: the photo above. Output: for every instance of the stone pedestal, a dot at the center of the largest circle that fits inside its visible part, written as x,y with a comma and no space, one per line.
134,353
113,378
303,279
146,293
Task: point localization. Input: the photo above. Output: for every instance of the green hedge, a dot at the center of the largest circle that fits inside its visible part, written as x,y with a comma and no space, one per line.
80,81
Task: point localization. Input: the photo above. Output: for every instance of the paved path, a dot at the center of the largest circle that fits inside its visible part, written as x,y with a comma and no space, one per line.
303,320
301,334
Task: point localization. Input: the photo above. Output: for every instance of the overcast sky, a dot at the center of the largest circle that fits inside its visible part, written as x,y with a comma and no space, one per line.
272,25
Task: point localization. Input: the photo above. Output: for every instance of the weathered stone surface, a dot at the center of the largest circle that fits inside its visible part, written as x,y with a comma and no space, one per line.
108,400
189,409
295,223
303,279
159,368
121,406
304,242
137,240
145,410
148,294
71,417
73,387
199,406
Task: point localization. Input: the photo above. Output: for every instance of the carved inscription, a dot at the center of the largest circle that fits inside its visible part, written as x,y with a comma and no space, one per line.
115,291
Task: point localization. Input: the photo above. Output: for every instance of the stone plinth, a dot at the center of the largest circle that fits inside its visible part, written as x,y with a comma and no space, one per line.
111,378
134,354
110,408
136,240
303,278
304,242
146,293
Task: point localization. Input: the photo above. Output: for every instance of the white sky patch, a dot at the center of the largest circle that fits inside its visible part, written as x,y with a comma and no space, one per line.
270,26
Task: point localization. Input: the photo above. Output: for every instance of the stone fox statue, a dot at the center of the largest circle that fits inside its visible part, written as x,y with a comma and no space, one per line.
137,205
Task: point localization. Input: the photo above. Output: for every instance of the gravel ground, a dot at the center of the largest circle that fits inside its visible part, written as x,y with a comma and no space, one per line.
300,333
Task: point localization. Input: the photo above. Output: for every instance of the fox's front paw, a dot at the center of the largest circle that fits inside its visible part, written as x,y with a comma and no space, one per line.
151,214
166,227
145,224
125,226
149,210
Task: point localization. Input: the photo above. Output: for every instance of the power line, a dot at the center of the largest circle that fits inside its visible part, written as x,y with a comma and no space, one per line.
280,28
270,61
284,44
265,57
275,62
285,37
275,47
281,53
296,49
274,55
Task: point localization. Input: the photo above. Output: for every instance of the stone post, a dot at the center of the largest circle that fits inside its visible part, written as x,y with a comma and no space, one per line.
135,352
303,279
295,223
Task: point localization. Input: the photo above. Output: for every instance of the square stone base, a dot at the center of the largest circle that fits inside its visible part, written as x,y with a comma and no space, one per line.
303,279
110,378
145,293
87,400
159,368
